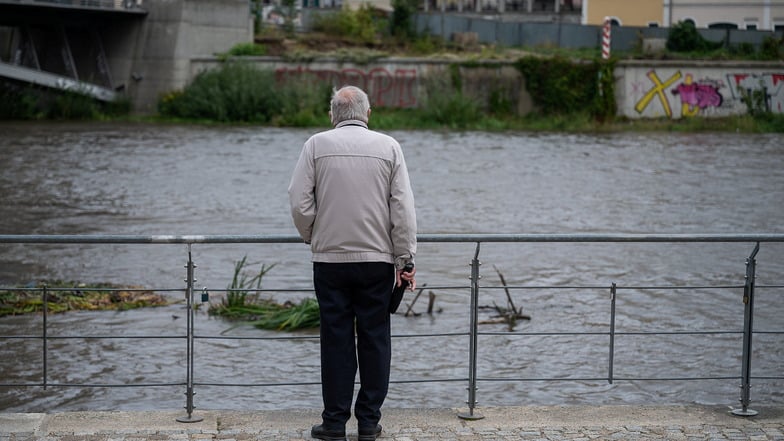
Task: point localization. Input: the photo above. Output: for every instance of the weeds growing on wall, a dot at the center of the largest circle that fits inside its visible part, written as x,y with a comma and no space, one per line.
559,86
239,92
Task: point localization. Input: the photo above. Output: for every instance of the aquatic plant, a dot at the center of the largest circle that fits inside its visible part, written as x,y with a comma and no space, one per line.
62,296
243,302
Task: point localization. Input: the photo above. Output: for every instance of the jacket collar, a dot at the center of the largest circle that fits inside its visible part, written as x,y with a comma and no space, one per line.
351,122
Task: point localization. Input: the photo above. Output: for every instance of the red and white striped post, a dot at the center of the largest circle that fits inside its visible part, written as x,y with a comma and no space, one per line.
606,37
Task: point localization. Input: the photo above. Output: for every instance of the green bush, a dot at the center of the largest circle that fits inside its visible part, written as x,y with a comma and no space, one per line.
772,48
561,86
362,24
684,37
245,50
239,92
446,105
17,102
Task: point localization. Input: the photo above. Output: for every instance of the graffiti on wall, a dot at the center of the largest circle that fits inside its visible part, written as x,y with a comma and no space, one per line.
385,88
680,95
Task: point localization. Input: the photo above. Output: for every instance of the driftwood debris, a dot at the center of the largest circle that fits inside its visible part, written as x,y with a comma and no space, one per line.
430,305
509,314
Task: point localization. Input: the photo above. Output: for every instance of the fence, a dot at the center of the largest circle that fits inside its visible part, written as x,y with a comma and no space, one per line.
473,377
566,35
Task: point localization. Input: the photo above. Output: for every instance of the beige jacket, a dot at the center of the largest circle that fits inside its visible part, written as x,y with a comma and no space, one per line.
351,198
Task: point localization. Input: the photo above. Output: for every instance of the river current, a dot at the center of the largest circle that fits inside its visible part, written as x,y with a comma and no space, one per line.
80,178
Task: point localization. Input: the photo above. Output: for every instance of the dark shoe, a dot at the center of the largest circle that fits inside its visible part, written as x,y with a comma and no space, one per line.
329,435
369,433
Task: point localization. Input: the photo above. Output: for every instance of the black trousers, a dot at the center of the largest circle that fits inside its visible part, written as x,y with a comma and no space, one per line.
354,296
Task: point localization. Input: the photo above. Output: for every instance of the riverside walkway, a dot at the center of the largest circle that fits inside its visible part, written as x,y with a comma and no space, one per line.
499,423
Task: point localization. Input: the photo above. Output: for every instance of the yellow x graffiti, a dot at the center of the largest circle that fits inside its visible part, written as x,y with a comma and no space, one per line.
658,90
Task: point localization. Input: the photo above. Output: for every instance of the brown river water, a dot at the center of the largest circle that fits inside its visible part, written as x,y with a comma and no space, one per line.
143,179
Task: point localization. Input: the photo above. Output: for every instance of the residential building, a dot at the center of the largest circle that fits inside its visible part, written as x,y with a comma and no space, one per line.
722,14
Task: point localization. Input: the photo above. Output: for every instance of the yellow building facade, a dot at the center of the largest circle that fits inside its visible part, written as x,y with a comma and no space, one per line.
733,14
624,12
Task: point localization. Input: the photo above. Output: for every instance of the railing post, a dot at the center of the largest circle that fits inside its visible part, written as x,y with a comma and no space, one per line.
189,281
472,350
44,334
748,319
612,332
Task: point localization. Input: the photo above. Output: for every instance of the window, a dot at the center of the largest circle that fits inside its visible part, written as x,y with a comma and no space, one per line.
653,24
722,26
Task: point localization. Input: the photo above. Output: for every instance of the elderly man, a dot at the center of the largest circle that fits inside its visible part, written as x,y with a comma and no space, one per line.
351,200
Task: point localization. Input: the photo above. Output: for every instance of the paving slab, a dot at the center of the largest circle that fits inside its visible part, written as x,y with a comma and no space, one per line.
690,422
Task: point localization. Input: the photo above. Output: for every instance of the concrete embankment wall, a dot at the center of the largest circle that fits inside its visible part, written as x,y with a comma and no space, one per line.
644,89
676,89
398,82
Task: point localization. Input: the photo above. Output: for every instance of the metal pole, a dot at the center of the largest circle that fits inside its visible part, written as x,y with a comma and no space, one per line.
44,334
474,315
189,281
612,332
748,318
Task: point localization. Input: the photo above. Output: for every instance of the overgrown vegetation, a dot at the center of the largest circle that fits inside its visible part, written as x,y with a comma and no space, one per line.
27,102
239,92
243,302
65,296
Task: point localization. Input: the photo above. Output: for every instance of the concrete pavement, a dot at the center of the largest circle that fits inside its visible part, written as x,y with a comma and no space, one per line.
499,423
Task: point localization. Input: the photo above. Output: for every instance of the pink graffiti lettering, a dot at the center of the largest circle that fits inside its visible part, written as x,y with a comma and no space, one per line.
699,95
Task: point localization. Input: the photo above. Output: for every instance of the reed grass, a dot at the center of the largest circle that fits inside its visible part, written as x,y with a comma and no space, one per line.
243,302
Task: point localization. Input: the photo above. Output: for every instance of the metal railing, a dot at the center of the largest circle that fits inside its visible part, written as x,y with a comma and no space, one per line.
472,333
124,5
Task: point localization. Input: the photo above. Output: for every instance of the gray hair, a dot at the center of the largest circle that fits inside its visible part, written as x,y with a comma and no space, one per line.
347,103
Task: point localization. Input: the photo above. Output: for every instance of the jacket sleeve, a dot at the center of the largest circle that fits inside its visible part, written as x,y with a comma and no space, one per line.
302,197
402,213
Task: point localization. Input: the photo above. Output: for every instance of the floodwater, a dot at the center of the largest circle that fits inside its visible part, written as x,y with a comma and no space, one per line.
74,178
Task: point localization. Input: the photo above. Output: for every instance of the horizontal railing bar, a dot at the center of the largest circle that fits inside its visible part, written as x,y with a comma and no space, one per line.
316,337
604,333
91,384
464,238
615,378
316,383
91,288
107,337
618,287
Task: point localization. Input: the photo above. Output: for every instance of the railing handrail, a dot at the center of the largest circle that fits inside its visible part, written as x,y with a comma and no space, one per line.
440,237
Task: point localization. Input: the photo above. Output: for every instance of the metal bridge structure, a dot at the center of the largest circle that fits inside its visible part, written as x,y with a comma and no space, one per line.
61,44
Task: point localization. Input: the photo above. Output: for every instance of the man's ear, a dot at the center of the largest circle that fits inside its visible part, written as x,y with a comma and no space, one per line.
369,113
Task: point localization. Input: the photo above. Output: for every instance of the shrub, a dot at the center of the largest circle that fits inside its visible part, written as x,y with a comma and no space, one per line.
239,92
17,102
771,48
559,86
246,49
445,104
684,37
362,25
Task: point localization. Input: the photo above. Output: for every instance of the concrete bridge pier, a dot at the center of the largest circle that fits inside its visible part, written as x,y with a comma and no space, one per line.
109,48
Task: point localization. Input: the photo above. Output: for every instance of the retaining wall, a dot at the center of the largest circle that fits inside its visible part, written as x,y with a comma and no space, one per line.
643,89
676,89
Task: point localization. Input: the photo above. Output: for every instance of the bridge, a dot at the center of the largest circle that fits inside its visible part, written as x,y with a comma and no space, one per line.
111,48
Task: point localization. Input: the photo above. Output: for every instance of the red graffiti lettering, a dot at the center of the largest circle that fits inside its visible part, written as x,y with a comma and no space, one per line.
384,88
